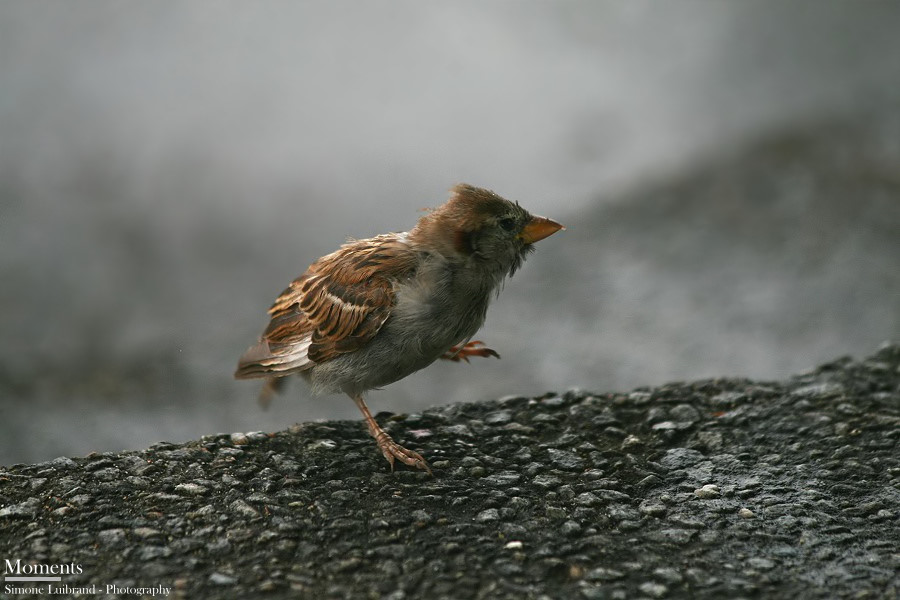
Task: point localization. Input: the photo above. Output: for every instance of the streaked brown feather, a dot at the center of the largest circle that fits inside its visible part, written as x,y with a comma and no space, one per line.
341,301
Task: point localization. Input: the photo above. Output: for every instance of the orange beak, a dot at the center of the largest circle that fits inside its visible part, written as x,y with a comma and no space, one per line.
538,228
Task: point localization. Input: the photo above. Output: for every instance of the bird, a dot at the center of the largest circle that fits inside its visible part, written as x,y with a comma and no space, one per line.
378,309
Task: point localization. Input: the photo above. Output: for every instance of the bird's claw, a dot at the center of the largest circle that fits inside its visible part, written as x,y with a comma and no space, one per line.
392,450
475,348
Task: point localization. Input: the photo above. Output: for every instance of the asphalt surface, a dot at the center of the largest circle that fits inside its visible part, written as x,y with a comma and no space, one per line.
720,488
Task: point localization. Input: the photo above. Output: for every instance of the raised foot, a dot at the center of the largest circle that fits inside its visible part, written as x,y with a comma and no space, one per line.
476,348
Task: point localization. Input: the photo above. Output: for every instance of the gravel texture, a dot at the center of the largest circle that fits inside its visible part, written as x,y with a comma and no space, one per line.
721,488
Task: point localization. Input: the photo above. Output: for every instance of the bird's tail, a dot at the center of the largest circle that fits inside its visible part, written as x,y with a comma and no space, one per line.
262,361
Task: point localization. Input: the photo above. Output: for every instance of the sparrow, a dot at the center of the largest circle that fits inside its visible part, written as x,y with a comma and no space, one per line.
379,309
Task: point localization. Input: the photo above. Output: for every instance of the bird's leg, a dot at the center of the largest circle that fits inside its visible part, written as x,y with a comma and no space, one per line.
270,389
389,448
476,348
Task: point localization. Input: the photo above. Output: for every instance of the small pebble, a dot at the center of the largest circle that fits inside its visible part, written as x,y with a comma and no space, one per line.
604,574
491,514
631,441
639,398
665,426
570,528
668,574
653,508
242,508
710,490
222,579
191,489
499,418
146,532
654,590
565,460
761,564
587,499
324,444
111,537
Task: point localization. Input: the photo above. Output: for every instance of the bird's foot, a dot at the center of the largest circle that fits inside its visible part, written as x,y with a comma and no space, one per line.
392,450
476,348
389,448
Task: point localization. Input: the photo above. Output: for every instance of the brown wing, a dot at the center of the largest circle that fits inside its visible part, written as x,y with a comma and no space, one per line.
337,306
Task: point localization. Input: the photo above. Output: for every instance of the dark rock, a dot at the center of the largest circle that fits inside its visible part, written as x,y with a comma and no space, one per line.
780,502
25,509
680,458
565,460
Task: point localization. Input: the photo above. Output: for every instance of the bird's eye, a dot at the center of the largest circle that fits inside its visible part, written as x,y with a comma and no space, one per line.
507,224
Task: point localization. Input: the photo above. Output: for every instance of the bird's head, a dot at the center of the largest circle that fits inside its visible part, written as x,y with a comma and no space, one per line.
478,225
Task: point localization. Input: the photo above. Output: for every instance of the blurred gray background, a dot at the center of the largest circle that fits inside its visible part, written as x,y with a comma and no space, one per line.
729,173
